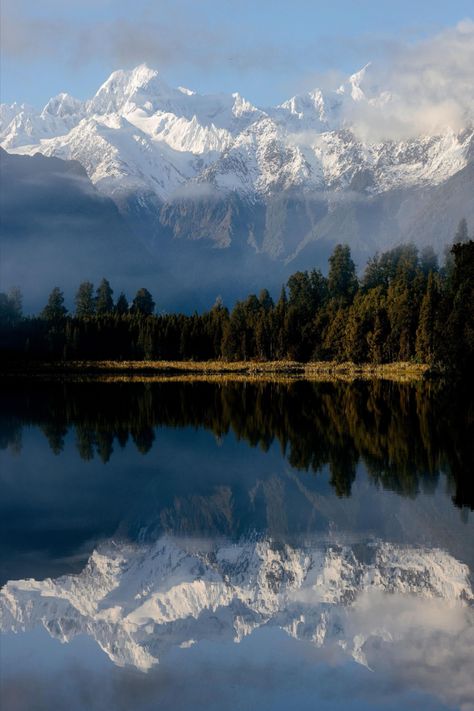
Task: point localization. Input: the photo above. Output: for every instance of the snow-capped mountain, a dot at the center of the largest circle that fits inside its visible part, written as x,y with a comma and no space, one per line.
137,602
136,128
281,181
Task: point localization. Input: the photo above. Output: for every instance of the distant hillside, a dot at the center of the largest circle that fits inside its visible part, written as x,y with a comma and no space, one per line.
56,228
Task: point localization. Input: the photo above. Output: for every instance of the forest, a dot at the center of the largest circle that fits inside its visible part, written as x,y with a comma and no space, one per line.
404,307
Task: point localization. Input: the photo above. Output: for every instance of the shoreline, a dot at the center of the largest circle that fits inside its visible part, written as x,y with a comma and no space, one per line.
214,370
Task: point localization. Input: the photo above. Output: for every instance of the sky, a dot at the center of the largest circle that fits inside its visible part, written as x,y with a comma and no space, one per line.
267,50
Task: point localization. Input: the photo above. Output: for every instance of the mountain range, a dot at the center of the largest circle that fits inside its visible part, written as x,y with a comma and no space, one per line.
223,192
138,602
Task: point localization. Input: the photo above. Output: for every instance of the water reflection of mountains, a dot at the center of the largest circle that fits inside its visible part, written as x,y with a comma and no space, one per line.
405,434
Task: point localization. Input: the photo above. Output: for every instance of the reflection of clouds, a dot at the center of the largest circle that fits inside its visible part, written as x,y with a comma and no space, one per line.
418,643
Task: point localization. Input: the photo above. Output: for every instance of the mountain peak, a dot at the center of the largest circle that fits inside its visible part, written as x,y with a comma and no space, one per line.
140,76
62,105
356,80
130,86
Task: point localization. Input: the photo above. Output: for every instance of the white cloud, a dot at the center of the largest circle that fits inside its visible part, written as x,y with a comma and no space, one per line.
423,88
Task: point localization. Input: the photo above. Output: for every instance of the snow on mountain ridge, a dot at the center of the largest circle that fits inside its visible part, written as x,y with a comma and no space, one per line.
138,601
170,136
63,105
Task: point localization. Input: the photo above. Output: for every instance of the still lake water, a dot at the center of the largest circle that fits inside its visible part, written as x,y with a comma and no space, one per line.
242,545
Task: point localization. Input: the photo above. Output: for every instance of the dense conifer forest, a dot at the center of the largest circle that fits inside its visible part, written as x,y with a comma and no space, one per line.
405,307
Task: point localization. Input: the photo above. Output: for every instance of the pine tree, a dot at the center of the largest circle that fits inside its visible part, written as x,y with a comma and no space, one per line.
85,303
377,338
121,307
333,343
342,279
425,334
459,329
373,274
355,343
143,303
104,303
54,309
266,301
235,344
407,264
279,317
263,337
218,317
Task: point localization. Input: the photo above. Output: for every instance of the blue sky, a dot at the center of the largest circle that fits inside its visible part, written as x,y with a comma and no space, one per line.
267,50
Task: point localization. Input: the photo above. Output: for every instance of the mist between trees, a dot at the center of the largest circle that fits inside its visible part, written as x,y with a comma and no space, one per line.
404,308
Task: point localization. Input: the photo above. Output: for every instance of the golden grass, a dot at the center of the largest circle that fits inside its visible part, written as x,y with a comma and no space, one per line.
217,370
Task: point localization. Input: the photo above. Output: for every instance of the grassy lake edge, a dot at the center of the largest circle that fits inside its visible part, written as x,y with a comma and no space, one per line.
217,369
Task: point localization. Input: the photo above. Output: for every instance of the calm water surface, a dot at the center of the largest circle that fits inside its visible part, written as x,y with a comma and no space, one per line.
182,545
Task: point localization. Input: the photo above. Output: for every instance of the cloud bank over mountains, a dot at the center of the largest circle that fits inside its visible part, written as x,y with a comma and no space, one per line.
425,87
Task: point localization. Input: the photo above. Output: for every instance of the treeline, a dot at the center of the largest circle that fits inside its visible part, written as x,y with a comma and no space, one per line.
406,434
404,307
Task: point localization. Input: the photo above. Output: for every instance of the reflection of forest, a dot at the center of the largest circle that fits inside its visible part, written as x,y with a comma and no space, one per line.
405,434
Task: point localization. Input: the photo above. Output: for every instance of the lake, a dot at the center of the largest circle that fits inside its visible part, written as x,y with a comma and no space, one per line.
202,544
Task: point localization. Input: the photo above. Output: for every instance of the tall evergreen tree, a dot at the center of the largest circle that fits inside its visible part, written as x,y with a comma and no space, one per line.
426,331
266,301
342,279
279,318
407,264
85,302
143,303
355,340
104,303
234,342
54,309
121,307
218,317
377,338
460,326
